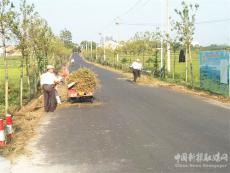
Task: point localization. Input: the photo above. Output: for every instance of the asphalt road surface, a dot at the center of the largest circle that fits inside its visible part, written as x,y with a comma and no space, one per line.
137,129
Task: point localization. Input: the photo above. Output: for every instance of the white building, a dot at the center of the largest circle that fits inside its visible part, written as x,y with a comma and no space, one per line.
110,44
11,50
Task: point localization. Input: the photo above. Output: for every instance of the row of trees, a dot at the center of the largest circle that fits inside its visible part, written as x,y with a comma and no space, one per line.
183,32
35,40
148,43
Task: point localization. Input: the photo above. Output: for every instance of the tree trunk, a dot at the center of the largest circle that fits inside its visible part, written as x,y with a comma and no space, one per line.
34,73
28,76
191,67
35,83
6,75
186,64
114,60
21,81
174,64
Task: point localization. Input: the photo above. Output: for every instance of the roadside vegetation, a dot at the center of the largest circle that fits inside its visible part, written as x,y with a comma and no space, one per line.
22,26
146,46
37,46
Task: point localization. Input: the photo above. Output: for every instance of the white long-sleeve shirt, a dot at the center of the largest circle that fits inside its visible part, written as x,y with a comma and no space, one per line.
136,65
48,78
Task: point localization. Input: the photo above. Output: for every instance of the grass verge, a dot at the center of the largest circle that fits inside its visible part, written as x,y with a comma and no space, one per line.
24,123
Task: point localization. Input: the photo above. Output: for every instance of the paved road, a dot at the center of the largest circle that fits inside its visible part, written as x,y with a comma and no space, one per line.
137,129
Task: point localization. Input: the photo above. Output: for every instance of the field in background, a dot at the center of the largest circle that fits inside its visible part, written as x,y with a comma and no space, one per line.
14,83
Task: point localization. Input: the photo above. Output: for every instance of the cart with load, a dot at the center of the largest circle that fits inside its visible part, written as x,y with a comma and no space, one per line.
81,96
81,86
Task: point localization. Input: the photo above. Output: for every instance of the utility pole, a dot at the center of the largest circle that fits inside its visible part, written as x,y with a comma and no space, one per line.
162,53
168,30
103,45
117,24
162,50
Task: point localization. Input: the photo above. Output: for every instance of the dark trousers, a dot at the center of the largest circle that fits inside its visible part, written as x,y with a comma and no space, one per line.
50,102
136,74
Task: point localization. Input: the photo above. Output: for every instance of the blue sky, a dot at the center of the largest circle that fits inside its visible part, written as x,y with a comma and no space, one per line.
86,18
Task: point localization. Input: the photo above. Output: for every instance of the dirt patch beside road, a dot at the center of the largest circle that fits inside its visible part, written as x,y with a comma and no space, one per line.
24,124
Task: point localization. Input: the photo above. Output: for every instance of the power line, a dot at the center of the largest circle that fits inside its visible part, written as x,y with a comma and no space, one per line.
158,24
146,3
132,7
140,24
213,21
138,2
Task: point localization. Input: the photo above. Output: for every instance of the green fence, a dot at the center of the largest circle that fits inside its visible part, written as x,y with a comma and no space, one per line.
214,71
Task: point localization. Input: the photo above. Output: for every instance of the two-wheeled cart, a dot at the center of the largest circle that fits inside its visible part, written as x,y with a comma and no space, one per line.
79,96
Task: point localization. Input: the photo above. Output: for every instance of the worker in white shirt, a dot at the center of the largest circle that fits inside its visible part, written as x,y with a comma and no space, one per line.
136,67
48,82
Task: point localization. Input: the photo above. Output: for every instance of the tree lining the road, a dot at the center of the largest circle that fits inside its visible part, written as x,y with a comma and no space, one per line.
147,47
36,41
6,19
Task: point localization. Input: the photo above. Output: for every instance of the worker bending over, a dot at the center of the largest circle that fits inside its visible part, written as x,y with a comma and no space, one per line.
136,67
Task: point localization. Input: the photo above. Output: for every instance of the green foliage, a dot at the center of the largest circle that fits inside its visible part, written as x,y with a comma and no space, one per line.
142,43
6,19
66,37
87,45
37,43
124,60
77,49
156,65
185,26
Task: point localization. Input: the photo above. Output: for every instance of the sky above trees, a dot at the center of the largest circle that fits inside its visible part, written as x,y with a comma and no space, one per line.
85,19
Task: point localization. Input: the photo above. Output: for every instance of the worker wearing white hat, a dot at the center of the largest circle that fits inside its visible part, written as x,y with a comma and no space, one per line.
136,67
48,81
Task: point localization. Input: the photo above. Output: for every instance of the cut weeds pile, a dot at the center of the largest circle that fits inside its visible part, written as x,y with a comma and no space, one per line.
85,80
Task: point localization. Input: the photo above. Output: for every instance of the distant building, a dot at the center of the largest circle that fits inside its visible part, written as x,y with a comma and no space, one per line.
110,44
11,50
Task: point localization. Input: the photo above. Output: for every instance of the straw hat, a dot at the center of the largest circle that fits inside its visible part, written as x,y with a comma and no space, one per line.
138,60
50,67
